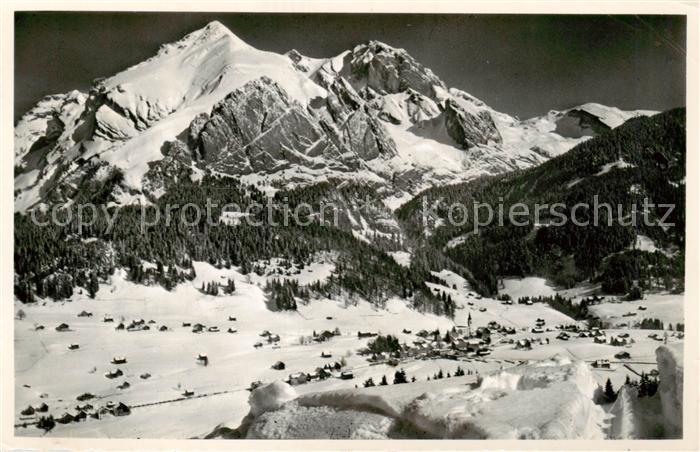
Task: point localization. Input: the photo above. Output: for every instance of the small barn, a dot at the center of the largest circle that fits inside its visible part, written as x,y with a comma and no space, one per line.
121,410
298,378
114,374
118,360
66,418
523,344
62,327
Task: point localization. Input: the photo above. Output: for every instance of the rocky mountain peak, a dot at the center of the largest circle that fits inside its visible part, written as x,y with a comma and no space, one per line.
389,70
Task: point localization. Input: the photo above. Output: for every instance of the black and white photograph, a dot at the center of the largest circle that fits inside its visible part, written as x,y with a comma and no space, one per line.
348,226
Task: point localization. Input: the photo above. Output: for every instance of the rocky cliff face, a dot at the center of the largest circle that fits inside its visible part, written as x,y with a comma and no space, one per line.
258,128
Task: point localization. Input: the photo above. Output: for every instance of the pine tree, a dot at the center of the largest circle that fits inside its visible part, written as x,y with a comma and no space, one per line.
610,395
400,377
93,285
383,382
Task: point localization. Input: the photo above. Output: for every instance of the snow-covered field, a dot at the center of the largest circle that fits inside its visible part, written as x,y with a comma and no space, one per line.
665,307
47,371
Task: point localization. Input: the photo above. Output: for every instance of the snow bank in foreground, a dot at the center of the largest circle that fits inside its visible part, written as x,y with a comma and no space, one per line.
669,359
625,422
270,397
660,416
550,399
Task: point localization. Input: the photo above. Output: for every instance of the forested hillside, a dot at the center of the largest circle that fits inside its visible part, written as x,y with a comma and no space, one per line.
51,260
644,158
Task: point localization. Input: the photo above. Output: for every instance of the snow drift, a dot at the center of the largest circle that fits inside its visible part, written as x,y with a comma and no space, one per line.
550,399
670,362
660,416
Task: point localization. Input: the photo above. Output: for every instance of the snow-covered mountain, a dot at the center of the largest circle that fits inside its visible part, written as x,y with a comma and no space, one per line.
211,102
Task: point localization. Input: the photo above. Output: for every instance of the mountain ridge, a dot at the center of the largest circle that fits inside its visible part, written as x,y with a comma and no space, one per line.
361,101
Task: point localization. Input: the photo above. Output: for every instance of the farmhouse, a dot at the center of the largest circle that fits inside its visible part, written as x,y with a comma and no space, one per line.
66,418
85,396
114,374
121,410
323,336
118,360
523,344
601,364
298,378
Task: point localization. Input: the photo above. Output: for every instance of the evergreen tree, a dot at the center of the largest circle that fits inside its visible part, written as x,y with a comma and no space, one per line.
610,395
400,377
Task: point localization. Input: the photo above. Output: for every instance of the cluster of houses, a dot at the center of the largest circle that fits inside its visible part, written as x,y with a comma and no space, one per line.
271,338
81,411
594,299
539,326
321,373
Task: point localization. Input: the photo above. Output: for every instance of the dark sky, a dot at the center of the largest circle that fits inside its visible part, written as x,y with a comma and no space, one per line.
520,64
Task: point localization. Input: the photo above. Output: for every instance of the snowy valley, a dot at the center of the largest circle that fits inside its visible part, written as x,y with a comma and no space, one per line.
387,323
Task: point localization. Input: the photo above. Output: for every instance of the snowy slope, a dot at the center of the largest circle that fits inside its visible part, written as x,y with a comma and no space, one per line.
611,116
134,112
552,399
